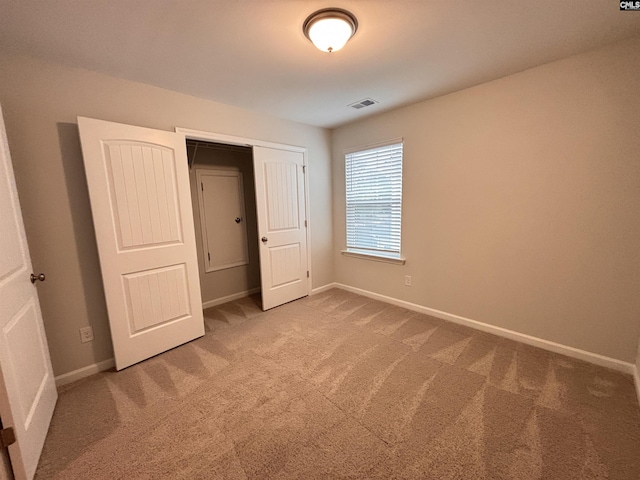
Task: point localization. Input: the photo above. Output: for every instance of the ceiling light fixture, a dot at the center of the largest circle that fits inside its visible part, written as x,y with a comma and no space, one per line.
330,28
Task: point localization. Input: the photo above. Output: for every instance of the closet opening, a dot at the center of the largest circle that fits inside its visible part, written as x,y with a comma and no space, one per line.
223,197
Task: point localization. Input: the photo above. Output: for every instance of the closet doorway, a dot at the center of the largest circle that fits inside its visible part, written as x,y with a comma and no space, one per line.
223,199
281,207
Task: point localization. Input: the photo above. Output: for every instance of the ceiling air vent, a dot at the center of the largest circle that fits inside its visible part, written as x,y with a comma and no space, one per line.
363,103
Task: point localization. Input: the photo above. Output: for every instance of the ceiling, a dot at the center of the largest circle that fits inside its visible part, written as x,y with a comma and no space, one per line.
253,54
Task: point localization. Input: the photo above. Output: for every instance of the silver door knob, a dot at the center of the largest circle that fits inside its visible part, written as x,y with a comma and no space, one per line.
265,239
35,277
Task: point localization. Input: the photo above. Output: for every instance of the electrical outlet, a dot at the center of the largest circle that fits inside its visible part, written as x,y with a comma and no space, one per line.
86,334
407,280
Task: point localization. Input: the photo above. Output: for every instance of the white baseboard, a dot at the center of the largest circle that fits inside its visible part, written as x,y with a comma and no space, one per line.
84,372
229,298
590,357
89,370
323,288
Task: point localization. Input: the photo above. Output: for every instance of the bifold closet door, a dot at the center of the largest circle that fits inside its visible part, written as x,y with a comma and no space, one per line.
139,188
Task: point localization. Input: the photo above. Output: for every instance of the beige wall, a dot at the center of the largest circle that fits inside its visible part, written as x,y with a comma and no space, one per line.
41,102
521,202
230,281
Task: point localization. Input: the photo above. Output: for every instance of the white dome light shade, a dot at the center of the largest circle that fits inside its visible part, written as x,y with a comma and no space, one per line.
330,29
330,34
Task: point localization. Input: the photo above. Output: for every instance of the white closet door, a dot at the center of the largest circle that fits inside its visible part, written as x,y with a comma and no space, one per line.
139,188
281,225
27,386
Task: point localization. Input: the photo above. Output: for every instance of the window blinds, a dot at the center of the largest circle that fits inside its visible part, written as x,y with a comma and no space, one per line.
374,200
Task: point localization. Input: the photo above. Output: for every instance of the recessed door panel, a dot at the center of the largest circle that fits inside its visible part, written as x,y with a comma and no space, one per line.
143,188
27,359
11,254
284,262
156,297
283,207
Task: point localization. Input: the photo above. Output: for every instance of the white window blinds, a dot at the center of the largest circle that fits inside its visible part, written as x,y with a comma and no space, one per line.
374,200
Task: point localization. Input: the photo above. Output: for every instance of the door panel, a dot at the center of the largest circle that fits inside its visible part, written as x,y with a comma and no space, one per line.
143,192
141,203
283,202
156,297
27,386
19,332
281,221
284,262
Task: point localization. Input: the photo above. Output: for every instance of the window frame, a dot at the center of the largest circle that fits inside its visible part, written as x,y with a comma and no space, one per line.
364,252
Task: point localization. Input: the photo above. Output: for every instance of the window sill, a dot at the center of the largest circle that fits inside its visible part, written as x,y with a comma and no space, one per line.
375,258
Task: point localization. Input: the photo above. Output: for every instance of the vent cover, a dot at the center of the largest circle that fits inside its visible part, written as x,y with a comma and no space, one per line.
363,103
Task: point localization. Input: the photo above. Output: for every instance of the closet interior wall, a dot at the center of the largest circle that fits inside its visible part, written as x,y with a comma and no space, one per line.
219,285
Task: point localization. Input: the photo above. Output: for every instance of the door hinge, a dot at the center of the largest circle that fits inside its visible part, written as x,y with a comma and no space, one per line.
305,224
202,186
307,273
209,255
304,169
7,437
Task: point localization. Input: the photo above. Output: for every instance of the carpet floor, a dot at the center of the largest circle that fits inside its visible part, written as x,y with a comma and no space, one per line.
339,386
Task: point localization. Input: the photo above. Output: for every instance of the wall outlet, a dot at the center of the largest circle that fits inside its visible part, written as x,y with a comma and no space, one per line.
86,334
407,280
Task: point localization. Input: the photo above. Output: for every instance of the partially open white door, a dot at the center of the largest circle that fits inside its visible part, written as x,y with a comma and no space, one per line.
27,386
141,202
280,199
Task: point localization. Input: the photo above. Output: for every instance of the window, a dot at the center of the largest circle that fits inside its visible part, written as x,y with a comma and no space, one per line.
374,201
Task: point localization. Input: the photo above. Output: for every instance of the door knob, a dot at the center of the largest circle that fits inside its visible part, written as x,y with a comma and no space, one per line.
265,239
238,219
35,277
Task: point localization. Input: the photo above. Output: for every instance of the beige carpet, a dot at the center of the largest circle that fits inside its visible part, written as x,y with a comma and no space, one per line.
340,386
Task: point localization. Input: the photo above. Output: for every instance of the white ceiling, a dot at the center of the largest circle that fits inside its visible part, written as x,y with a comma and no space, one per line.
253,54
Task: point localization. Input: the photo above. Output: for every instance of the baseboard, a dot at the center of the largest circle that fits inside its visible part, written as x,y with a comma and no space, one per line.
84,372
323,288
590,357
229,298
